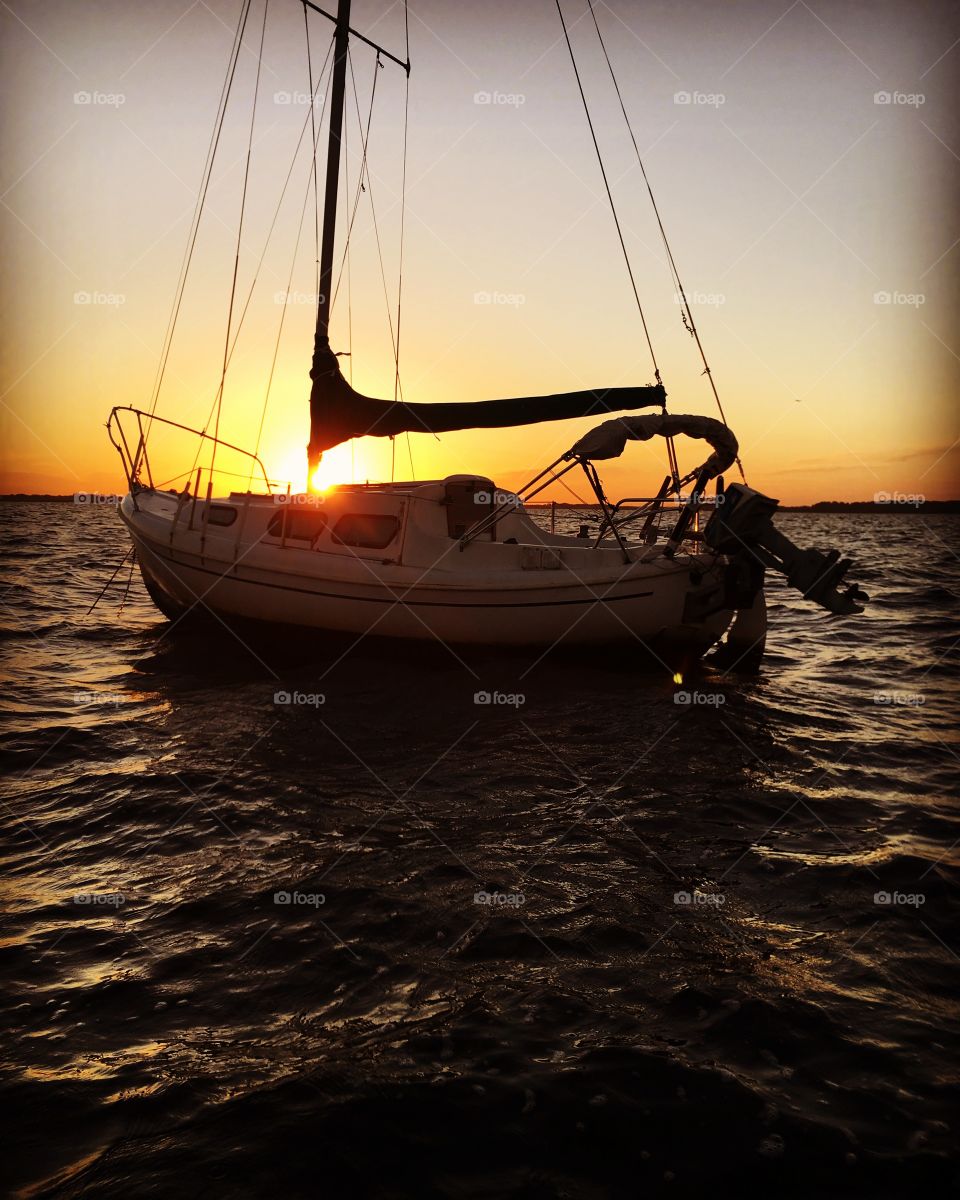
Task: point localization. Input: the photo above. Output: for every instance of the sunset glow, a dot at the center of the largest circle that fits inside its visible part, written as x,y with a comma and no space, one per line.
827,308
335,467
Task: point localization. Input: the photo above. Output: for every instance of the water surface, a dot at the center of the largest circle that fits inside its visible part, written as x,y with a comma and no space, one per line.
174,1027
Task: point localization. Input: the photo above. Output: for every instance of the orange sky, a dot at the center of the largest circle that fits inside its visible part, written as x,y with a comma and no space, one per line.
795,202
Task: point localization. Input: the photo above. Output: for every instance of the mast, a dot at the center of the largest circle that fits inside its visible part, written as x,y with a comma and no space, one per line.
329,391
338,89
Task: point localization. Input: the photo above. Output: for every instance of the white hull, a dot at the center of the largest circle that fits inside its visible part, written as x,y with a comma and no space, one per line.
539,590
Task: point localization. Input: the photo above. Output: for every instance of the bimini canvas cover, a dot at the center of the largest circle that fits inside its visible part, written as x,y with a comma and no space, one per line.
338,413
608,440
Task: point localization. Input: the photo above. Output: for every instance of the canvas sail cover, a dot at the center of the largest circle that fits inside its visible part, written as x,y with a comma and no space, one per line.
609,439
338,413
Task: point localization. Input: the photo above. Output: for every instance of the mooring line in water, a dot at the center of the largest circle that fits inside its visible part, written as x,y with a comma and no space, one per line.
111,579
126,590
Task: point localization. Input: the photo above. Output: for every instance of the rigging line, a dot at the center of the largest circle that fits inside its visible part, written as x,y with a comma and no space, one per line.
376,230
313,132
346,249
403,207
365,174
198,211
663,233
347,256
364,138
286,183
403,215
236,260
579,499
214,406
273,223
296,248
383,273
195,220
606,184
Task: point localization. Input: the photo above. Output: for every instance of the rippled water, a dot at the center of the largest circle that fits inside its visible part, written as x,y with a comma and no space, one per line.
174,1030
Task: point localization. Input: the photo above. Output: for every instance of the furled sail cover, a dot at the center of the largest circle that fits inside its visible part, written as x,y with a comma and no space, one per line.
338,413
608,440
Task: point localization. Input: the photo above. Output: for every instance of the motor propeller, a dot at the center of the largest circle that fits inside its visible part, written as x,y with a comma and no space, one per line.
742,528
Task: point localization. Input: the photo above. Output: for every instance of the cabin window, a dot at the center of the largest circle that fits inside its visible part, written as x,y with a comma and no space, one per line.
221,514
373,530
296,525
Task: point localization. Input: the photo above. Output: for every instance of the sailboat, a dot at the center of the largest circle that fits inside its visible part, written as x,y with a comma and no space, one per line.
460,559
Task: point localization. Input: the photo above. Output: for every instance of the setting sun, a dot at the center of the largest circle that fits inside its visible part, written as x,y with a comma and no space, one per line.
338,465
319,480
342,464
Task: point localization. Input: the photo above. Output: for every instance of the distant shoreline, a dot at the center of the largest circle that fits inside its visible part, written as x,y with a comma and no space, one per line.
894,507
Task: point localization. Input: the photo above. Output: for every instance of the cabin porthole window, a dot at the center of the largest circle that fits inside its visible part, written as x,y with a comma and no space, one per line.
221,514
372,531
297,526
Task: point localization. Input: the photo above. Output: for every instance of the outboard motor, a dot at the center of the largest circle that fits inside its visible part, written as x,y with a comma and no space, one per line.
741,527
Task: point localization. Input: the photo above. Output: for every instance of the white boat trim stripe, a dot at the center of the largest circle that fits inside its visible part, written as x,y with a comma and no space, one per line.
392,599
